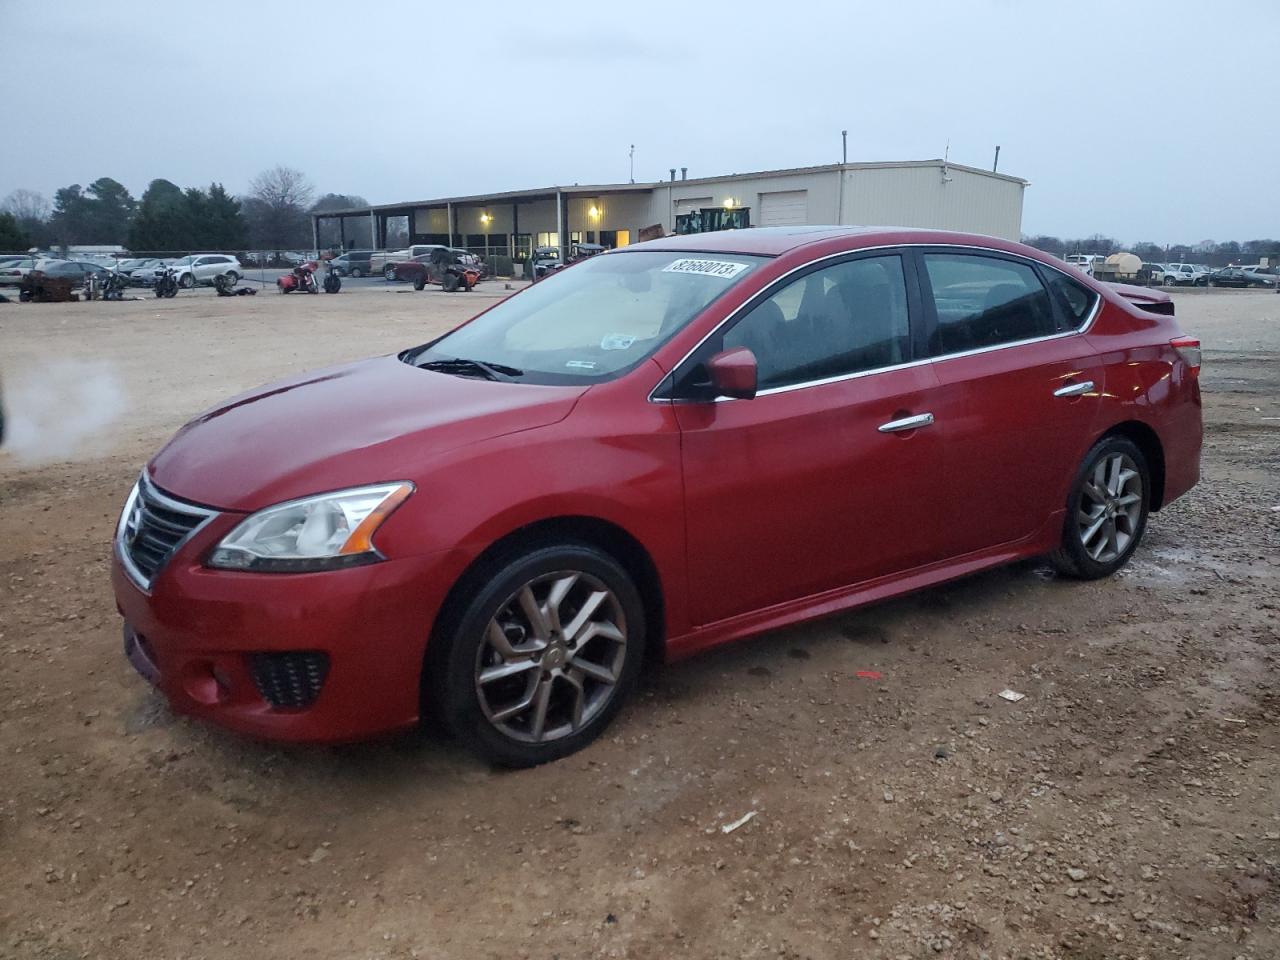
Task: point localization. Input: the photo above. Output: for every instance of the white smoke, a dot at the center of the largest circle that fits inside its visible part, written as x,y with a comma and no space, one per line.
59,409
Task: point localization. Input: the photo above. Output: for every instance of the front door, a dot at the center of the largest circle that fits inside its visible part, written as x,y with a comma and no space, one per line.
820,481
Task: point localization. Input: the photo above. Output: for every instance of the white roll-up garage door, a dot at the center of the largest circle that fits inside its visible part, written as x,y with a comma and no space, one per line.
692,204
784,209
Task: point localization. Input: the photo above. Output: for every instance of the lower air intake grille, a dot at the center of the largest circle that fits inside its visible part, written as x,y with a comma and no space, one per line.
290,680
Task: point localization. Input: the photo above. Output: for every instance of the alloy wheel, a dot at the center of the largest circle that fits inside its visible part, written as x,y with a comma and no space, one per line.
551,657
1110,507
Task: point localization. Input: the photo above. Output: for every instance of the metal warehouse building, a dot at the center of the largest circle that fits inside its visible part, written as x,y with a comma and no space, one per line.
923,193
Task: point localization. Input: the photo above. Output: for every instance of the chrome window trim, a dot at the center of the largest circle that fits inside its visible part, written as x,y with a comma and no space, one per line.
156,495
1081,329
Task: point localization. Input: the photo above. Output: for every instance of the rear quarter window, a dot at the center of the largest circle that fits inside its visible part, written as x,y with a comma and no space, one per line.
1075,299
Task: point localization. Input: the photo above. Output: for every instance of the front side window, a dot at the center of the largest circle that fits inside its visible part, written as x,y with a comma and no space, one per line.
589,322
842,319
984,301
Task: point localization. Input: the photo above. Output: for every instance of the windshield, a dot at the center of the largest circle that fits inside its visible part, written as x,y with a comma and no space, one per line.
592,321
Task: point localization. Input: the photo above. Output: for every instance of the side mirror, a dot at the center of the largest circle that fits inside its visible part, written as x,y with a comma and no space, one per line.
733,373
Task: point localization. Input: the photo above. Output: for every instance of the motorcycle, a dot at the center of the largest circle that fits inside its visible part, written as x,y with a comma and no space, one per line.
332,278
301,279
166,284
112,286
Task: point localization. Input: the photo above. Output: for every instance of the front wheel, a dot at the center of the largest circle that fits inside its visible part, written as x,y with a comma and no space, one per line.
357,272
449,282
187,281
388,273
1106,511
541,657
419,282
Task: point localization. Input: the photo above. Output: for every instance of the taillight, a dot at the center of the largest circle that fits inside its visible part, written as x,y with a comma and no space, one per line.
1188,349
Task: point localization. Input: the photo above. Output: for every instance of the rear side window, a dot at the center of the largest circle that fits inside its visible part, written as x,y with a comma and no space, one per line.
1075,299
984,301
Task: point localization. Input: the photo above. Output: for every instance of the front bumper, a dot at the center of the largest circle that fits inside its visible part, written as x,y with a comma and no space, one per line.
195,634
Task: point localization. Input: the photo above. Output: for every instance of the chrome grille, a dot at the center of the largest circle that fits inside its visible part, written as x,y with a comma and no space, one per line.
152,528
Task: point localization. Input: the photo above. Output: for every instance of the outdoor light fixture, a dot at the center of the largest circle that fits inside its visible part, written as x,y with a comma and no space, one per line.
728,203
594,212
486,219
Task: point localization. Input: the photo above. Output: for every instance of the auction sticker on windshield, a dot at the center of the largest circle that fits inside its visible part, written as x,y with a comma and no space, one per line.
726,269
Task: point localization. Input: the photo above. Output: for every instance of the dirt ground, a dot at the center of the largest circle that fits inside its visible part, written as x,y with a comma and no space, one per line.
1128,807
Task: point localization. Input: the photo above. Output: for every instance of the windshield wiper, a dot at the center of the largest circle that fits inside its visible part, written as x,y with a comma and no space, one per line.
490,371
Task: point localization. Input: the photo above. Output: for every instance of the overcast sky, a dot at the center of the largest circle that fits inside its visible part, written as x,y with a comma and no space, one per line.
1146,121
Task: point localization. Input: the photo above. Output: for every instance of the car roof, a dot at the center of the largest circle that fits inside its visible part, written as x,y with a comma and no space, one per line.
775,241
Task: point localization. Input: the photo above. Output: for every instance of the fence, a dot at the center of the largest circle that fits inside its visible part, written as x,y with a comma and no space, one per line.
198,269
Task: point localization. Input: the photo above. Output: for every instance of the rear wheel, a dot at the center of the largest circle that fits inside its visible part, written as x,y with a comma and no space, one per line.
357,272
1106,511
541,658
419,282
450,282
187,281
388,273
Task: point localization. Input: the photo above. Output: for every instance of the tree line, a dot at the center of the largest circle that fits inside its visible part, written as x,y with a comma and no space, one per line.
1150,252
273,215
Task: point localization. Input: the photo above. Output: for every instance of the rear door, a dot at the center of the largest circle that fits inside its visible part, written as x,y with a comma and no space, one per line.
802,489
1018,391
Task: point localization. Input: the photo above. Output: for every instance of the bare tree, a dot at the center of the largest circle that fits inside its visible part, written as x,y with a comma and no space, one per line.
27,205
282,187
32,211
276,209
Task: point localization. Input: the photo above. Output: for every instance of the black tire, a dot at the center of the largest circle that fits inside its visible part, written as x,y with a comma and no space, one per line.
187,281
458,645
449,282
24,296
388,273
332,283
233,277
357,272
1072,558
419,282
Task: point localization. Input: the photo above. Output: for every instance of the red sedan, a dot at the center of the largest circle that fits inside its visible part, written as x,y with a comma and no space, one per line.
661,449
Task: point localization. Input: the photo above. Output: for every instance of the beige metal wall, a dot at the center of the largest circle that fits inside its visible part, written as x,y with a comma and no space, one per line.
822,188
919,197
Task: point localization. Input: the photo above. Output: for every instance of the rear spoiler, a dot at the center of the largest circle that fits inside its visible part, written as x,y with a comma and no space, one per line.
1145,298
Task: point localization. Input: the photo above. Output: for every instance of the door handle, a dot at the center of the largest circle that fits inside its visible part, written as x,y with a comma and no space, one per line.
1075,389
907,423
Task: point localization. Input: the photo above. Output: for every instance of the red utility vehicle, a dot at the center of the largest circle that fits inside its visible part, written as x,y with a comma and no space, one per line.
666,448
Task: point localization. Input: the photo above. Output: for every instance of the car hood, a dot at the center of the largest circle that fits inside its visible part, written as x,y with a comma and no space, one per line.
365,422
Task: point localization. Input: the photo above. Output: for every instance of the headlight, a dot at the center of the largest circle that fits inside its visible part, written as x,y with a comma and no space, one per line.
325,532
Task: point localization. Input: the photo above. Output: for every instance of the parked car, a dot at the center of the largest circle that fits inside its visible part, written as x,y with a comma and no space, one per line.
355,263
664,448
1260,276
1228,277
1086,263
1187,274
545,261
452,269
202,268
75,270
13,269
393,258
145,276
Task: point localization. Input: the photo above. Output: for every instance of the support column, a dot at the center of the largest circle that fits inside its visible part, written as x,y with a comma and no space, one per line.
342,233
373,230
515,229
560,225
449,209
315,234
